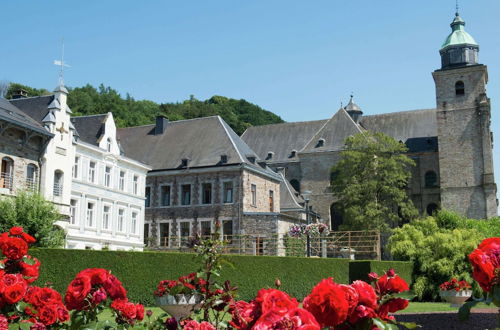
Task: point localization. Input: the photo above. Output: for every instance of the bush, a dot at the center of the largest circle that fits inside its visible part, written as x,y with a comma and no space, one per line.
358,270
438,247
140,272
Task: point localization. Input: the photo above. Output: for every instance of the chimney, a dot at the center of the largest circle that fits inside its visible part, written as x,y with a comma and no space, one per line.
20,94
161,124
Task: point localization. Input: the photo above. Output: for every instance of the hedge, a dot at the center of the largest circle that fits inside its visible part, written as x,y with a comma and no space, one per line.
358,270
141,271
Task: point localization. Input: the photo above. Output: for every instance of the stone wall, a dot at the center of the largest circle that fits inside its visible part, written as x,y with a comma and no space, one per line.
263,186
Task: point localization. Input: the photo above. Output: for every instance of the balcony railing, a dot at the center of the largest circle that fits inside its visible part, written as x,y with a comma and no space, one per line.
31,185
58,188
347,244
6,180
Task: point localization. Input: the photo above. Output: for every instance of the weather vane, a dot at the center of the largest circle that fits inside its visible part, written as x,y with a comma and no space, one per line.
62,64
456,5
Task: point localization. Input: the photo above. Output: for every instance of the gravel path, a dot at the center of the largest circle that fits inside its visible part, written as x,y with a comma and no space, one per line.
479,319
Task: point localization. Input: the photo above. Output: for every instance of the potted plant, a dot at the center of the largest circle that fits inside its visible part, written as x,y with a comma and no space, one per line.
455,292
180,297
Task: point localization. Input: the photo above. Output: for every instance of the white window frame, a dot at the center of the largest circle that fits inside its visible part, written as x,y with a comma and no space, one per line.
211,221
107,176
134,220
109,216
179,230
76,167
120,220
135,184
224,192
170,223
90,218
73,211
160,194
253,194
92,172
190,194
122,180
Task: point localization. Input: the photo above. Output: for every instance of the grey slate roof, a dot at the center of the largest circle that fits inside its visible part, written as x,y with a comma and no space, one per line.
334,133
289,198
35,107
9,112
403,125
201,140
281,138
89,128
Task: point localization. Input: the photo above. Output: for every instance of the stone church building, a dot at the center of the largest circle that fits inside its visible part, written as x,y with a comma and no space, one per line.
450,144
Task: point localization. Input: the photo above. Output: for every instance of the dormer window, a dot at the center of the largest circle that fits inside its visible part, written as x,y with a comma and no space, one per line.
223,159
321,143
459,88
293,154
270,155
251,159
185,162
108,145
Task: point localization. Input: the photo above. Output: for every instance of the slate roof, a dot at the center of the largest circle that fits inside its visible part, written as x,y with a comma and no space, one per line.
90,128
289,198
281,138
35,107
9,112
201,140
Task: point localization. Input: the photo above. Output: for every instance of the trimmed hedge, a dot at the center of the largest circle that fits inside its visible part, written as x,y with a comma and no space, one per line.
358,270
140,272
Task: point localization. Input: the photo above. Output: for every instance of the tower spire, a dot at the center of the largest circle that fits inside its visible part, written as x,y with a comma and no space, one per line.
61,64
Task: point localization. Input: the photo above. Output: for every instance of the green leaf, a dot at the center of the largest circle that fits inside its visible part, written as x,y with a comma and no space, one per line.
408,295
384,326
495,294
409,325
464,311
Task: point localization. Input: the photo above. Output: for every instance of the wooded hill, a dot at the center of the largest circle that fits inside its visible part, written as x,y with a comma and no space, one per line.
127,111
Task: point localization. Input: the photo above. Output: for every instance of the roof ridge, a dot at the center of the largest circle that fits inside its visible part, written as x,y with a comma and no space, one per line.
173,121
27,98
314,135
230,138
403,111
100,114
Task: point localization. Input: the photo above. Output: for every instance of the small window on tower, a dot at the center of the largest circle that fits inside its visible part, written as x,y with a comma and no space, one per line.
459,88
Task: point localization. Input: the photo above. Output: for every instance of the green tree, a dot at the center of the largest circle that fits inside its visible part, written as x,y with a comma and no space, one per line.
14,87
370,180
36,215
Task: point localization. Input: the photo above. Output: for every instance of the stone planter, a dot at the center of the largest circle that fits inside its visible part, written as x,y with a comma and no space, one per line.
180,305
455,298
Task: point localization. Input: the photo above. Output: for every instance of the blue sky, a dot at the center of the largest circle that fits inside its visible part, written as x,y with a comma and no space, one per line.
299,59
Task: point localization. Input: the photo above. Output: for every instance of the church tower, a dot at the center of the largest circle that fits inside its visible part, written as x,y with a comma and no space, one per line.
463,127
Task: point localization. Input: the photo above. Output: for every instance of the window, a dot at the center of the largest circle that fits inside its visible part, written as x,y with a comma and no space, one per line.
6,174
106,214
148,197
75,167
253,190
321,143
184,232
336,219
91,177
271,201
164,234
227,230
459,88
136,184
58,183
295,184
90,214
133,225
121,182
31,177
228,192
431,179
205,229
431,208
108,144
121,213
165,195
186,194
146,234
107,176
206,193
72,211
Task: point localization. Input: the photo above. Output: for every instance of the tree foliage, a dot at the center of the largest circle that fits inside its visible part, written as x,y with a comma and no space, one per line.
370,180
13,88
36,215
438,246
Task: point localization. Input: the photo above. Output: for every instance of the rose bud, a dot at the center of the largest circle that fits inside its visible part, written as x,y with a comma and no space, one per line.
171,323
391,272
277,283
149,313
372,277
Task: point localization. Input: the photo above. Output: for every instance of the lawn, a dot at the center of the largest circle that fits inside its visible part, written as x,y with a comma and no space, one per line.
427,307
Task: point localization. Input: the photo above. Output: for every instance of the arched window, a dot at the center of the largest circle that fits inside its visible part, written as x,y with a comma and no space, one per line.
58,182
335,217
6,174
108,145
31,176
459,88
432,208
295,184
430,179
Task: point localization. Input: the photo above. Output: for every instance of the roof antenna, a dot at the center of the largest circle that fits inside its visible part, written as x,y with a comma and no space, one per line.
62,64
456,7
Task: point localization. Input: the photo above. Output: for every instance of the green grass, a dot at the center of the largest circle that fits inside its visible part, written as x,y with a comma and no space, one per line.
428,307
107,315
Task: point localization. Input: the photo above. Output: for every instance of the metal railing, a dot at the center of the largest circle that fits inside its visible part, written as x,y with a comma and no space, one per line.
58,188
31,184
347,244
6,180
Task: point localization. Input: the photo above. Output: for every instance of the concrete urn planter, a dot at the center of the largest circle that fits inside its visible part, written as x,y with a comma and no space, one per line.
180,305
455,298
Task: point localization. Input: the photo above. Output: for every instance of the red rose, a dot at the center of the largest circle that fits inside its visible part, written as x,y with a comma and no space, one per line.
11,279
361,312
367,295
30,272
244,314
16,230
47,314
97,275
14,293
372,277
273,299
62,313
139,311
114,288
76,293
125,309
206,326
485,260
98,297
328,303
44,296
4,323
28,238
352,296
14,248
394,284
297,318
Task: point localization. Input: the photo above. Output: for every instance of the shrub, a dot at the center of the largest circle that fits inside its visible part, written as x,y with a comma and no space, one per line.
140,272
358,270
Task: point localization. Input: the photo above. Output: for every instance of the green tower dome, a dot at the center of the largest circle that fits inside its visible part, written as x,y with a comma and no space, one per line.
459,48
